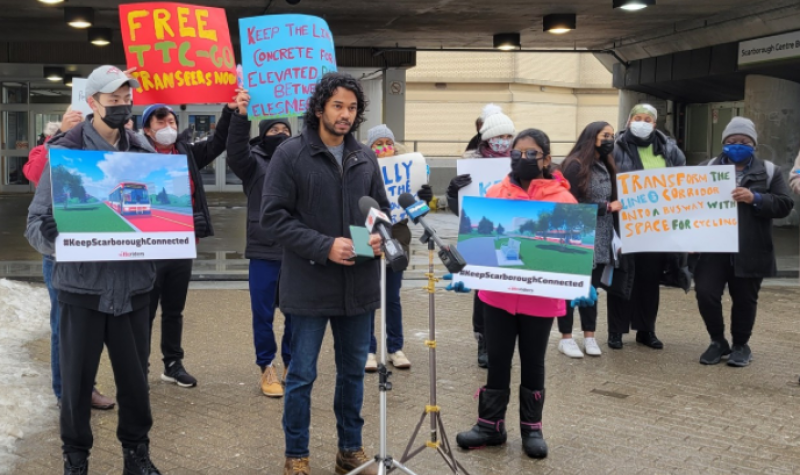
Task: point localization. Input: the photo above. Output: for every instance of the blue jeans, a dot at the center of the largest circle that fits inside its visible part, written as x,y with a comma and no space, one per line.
350,345
263,290
55,318
394,315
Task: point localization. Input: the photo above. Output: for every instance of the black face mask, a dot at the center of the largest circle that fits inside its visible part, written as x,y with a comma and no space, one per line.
525,169
271,142
605,148
117,116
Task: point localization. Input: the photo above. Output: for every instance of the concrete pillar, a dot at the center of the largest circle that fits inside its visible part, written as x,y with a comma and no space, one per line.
774,106
394,102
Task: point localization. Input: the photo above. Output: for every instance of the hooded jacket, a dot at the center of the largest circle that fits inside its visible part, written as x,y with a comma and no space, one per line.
112,287
542,189
308,201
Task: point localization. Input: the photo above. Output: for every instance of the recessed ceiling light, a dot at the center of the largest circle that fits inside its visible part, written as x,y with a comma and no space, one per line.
79,17
633,5
100,36
560,23
53,73
507,41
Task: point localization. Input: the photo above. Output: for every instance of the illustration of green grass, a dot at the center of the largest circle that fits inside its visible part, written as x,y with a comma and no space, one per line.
553,257
90,218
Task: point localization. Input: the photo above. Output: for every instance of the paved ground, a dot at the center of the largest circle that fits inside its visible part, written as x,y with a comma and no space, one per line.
629,411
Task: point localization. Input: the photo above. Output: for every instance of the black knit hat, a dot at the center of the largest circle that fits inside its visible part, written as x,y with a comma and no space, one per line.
267,124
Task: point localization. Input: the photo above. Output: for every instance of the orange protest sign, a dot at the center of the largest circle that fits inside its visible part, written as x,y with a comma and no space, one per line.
182,53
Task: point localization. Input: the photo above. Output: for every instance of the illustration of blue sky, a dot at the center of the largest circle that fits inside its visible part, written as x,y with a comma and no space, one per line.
102,171
503,212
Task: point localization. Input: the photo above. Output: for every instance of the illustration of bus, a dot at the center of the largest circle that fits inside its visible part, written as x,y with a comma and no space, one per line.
130,198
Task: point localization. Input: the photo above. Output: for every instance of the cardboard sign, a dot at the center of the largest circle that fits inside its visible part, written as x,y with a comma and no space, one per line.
681,209
182,53
113,206
485,172
527,247
283,57
402,174
79,96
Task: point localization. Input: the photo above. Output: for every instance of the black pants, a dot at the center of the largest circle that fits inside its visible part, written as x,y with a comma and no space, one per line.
171,287
640,312
588,314
83,333
502,332
713,271
478,314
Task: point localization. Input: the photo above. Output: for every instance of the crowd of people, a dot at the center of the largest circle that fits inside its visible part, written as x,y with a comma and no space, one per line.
303,194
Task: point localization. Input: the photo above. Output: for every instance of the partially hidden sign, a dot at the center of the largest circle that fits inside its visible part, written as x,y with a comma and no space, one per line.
402,174
485,173
680,209
283,57
182,53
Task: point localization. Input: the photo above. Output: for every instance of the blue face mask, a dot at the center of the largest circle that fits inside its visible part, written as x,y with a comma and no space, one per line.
738,153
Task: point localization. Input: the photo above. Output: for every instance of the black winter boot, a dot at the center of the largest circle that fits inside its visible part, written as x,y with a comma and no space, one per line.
531,404
137,461
491,427
483,356
76,464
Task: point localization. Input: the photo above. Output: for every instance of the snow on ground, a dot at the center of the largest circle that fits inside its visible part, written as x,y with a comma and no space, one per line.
26,396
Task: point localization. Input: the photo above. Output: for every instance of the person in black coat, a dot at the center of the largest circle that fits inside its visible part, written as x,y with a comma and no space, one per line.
761,195
249,160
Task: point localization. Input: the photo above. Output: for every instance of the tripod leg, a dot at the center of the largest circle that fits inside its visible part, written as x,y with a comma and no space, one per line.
405,456
365,466
399,466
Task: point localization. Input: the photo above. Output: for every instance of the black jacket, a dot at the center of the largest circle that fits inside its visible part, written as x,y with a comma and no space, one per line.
249,161
756,256
308,201
627,160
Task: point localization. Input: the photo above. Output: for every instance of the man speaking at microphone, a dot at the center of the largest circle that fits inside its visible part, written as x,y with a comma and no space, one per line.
310,200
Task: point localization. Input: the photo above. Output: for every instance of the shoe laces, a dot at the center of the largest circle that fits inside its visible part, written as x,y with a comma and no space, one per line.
360,456
300,464
76,469
270,375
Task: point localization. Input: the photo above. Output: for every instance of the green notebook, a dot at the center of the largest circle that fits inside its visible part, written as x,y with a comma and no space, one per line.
360,237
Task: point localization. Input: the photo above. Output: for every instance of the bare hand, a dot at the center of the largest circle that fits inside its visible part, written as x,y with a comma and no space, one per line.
241,101
615,206
70,120
743,195
129,73
375,242
341,251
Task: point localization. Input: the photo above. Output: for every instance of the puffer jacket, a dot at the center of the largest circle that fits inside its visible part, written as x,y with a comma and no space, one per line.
554,190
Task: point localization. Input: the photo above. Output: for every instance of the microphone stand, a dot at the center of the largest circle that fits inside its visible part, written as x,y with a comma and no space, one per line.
432,410
385,462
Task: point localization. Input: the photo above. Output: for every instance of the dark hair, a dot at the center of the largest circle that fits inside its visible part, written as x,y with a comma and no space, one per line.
160,113
325,88
583,153
542,140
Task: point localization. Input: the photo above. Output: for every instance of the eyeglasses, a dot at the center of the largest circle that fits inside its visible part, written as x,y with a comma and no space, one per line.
529,154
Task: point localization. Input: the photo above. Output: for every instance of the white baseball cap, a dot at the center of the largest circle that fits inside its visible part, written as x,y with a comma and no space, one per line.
107,79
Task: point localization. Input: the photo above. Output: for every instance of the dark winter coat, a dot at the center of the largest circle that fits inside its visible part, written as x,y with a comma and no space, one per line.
627,159
250,162
113,287
308,201
600,192
756,256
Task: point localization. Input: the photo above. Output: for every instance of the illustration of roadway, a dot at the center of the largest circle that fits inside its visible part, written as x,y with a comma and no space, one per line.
162,219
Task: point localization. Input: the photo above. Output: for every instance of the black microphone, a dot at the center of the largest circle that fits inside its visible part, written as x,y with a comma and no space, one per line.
416,211
378,221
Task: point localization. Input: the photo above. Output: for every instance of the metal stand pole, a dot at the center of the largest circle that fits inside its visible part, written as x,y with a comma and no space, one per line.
432,410
383,460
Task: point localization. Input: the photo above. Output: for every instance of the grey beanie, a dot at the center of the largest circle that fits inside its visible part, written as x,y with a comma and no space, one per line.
378,132
741,126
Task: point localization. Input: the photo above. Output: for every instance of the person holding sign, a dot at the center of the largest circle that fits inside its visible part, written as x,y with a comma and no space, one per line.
250,161
310,200
160,126
641,147
496,132
101,303
512,318
381,140
761,196
592,176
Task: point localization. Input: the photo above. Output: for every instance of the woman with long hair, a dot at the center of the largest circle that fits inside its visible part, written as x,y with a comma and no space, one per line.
592,177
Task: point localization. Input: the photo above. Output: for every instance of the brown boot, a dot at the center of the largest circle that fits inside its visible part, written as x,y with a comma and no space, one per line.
101,402
297,466
346,462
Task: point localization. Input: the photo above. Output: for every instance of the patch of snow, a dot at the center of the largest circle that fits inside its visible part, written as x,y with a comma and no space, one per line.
26,394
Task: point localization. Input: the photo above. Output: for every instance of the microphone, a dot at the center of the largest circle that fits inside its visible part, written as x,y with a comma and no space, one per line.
378,221
416,211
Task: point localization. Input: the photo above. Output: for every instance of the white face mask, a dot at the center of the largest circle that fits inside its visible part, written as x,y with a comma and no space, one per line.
642,129
166,136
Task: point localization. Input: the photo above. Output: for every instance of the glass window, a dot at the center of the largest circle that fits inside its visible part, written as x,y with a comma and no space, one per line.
14,132
14,93
14,169
202,126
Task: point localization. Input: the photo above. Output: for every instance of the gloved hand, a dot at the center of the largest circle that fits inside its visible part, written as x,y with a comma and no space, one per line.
425,193
457,287
589,301
200,224
48,228
457,183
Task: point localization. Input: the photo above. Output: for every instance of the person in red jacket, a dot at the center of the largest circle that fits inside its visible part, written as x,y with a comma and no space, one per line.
37,159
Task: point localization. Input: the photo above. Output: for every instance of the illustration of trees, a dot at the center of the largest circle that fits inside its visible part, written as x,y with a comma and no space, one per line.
528,226
163,197
500,230
543,225
68,184
465,227
485,226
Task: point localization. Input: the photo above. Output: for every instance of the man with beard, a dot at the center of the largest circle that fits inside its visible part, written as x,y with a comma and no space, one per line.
249,160
310,200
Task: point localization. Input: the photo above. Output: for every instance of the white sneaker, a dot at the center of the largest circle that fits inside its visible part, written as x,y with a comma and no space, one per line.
399,360
570,348
591,347
372,364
